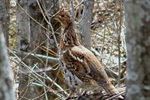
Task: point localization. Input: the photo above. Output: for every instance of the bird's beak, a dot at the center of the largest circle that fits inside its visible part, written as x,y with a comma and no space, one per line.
56,16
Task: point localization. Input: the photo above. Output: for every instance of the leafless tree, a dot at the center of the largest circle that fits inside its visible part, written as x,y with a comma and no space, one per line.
137,14
34,31
85,23
6,20
6,76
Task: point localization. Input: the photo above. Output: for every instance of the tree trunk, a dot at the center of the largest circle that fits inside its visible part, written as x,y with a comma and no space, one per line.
6,21
85,23
137,15
33,36
23,40
40,37
6,76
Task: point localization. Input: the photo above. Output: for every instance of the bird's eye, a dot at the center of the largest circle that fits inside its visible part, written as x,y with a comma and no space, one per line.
62,16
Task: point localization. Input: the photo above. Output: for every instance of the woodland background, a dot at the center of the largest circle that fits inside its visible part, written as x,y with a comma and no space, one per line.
32,40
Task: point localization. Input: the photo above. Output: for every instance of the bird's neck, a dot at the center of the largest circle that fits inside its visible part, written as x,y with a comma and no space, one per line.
68,27
69,37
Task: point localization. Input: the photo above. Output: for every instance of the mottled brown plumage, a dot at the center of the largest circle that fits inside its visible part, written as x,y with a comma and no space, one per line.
80,61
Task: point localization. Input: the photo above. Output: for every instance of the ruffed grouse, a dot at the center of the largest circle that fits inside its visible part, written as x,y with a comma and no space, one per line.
80,61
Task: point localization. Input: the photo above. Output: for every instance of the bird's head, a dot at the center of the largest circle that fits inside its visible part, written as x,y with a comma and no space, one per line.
63,17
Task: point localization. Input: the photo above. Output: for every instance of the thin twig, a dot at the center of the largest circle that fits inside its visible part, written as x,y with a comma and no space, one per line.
53,33
36,75
32,55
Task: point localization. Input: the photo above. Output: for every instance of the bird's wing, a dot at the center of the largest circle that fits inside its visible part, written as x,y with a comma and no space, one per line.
81,67
94,67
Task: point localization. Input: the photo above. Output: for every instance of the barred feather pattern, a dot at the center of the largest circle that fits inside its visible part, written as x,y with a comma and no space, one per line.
80,64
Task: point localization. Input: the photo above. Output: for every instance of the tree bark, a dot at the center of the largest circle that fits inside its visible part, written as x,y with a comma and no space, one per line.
23,40
6,21
137,16
31,18
6,76
85,23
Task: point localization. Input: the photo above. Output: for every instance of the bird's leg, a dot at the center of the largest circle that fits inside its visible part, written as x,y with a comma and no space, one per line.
72,91
109,88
